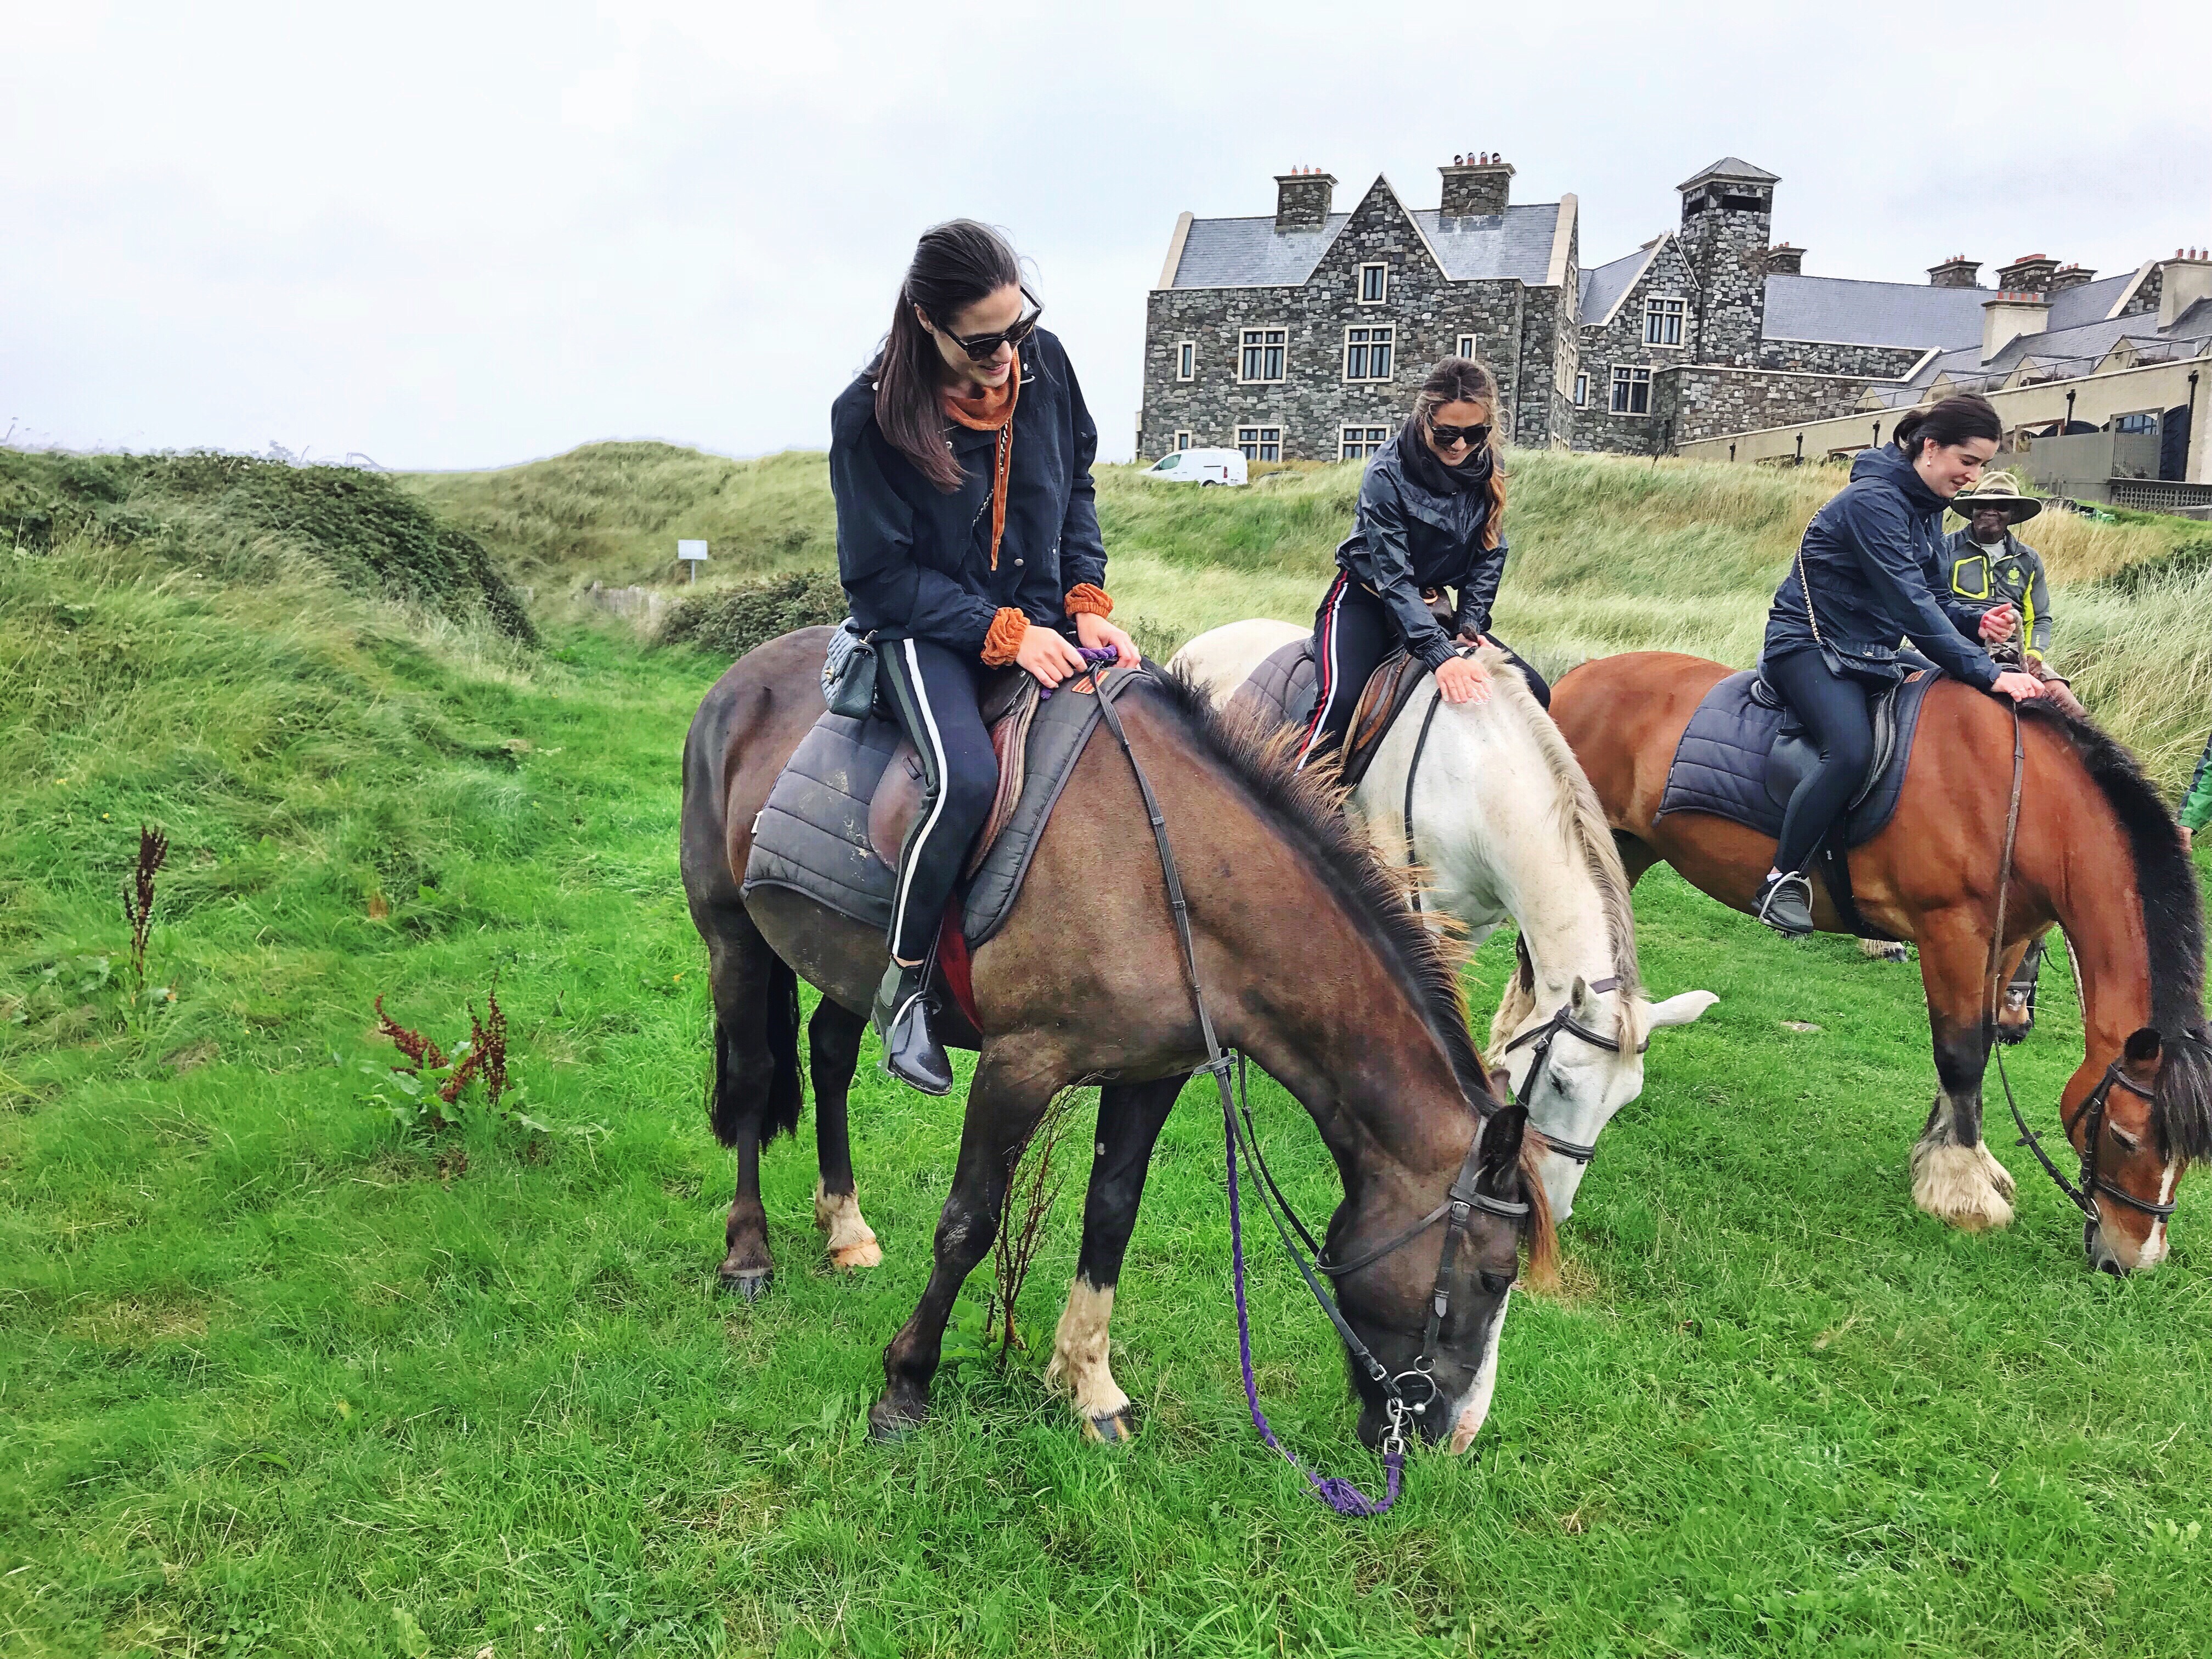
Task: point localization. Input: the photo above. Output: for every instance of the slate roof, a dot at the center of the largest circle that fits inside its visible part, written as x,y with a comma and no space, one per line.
1916,314
1732,167
1516,244
2078,350
1603,285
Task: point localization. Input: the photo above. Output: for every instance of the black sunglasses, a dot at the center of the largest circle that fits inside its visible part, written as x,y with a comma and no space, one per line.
1446,436
982,347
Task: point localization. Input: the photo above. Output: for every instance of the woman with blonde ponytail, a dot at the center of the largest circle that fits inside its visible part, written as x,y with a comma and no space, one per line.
1431,516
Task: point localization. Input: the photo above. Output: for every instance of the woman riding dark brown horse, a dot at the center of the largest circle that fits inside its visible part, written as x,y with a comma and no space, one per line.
2096,852
1311,961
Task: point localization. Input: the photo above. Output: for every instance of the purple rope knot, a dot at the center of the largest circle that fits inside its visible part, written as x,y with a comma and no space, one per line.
1098,656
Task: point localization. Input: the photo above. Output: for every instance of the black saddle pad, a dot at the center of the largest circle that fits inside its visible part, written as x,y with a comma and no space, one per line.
1281,691
812,836
1740,759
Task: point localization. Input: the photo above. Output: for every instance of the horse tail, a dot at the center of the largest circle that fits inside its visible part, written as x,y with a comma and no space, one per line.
785,1093
732,1097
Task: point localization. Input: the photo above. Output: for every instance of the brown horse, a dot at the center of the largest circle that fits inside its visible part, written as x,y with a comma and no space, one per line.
1311,961
2097,852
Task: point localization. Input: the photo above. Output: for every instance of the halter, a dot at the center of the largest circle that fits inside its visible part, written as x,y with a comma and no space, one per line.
1457,1210
1543,1037
2093,1106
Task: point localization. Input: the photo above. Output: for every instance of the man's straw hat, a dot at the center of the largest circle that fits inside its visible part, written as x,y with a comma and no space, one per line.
1997,489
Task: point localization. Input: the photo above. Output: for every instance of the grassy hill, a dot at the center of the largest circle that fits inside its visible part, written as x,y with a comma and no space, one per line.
1608,554
279,1376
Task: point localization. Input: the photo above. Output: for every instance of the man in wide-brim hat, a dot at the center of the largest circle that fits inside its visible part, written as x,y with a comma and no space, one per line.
1989,564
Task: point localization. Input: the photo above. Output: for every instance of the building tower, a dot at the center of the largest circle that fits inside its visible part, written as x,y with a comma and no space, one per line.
1727,218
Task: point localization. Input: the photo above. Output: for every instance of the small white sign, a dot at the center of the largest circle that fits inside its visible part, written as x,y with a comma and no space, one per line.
691,549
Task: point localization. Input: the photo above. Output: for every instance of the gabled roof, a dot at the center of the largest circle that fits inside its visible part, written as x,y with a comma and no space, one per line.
2070,351
1731,166
1514,245
1852,313
1604,286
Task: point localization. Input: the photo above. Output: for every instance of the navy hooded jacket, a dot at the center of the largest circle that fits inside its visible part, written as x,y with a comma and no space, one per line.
915,561
1874,557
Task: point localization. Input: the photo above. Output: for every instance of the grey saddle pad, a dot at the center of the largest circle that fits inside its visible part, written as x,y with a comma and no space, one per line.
812,836
1740,759
1282,689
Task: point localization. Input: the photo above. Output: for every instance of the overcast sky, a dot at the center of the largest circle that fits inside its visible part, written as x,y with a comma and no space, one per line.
461,235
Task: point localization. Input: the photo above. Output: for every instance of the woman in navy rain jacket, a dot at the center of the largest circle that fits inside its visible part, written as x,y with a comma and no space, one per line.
1431,516
967,540
1871,562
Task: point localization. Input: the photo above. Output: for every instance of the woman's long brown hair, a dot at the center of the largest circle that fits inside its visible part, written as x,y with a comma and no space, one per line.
955,264
1464,381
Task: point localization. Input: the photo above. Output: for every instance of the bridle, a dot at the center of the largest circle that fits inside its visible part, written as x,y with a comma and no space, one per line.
1544,1036
2091,1112
1457,1211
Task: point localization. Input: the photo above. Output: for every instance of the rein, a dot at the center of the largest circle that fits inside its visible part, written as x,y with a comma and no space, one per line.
1546,1034
2092,1183
1338,1493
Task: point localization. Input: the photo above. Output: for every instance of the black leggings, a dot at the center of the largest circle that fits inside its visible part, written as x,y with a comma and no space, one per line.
934,693
1834,711
1353,632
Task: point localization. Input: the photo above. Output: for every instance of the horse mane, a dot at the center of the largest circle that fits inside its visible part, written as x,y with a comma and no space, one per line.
2173,926
1306,808
1589,838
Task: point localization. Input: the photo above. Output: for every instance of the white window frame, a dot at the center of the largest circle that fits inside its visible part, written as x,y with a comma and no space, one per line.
1185,360
1357,443
1629,378
1382,288
1183,440
1368,346
1656,311
1246,345
1466,345
1582,389
1250,447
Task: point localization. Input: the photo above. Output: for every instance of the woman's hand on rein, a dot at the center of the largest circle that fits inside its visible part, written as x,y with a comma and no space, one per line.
1095,632
1046,654
1462,679
2020,688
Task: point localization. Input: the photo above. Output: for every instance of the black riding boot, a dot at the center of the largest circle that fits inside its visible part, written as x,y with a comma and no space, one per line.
912,1053
1785,905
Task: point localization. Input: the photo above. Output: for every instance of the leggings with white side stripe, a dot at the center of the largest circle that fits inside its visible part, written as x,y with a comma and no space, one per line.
934,694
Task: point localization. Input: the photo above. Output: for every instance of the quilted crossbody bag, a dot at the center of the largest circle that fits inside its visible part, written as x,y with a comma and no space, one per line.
1843,664
848,672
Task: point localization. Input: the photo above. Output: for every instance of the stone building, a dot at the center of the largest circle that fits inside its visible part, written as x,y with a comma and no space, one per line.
1304,337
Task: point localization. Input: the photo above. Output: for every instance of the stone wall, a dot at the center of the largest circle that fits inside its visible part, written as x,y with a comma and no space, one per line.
1313,402
1725,246
1694,401
2144,302
1831,357
1619,343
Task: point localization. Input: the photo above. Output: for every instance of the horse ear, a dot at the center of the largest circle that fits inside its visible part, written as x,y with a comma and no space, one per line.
2143,1047
1680,1009
1585,1002
1501,1085
1502,1137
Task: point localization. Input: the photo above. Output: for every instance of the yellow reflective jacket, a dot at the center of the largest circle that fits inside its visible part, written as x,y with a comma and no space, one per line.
2016,573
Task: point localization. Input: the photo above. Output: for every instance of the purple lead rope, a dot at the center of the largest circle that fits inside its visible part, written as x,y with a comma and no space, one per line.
1337,1493
1098,656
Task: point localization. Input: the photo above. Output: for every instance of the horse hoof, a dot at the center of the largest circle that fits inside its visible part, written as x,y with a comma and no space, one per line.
1953,1183
751,1283
889,1423
865,1254
2013,1036
1110,1428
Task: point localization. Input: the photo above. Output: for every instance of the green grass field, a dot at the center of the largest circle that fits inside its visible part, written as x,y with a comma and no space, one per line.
275,1378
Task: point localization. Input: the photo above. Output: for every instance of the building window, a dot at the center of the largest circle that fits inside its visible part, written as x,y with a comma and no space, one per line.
1361,441
1581,392
1183,440
1261,443
1260,357
1367,353
2136,424
1187,360
1632,392
1374,284
1466,346
1662,321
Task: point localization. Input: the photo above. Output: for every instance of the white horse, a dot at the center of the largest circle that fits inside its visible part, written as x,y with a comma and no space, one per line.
1501,822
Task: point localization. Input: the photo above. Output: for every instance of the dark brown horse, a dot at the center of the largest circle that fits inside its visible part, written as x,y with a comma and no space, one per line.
2097,852
1311,962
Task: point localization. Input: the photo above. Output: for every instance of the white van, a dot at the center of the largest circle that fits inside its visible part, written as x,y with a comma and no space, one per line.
1198,467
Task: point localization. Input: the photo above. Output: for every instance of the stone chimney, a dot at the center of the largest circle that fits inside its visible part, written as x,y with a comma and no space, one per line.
2007,315
2029,274
1783,260
1957,271
1476,186
2182,281
2067,276
1302,200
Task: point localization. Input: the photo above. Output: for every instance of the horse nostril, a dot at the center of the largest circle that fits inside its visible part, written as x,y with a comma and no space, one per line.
2111,1265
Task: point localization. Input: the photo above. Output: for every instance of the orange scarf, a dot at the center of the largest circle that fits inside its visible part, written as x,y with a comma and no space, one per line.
992,410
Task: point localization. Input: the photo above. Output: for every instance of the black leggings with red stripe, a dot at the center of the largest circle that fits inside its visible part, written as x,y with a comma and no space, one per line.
1353,632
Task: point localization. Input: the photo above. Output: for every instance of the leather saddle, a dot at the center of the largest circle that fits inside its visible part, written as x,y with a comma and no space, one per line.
1796,756
1284,690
